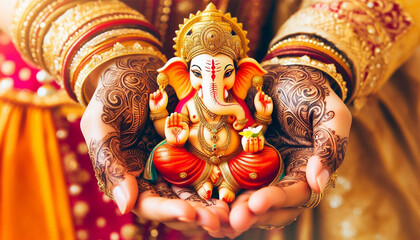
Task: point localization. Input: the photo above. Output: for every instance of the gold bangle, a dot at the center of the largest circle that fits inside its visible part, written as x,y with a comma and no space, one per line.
158,115
314,200
112,35
90,14
314,43
102,187
92,48
329,69
41,25
270,227
118,50
263,120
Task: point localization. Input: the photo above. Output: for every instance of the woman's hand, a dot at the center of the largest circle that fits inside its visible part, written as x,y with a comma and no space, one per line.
310,129
120,137
116,126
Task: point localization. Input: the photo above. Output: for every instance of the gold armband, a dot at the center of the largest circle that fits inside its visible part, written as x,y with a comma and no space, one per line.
158,115
262,119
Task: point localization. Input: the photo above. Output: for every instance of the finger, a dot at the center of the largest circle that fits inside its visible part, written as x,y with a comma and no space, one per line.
125,193
279,217
171,120
317,174
256,144
240,217
330,139
176,122
160,209
260,143
277,197
207,220
246,145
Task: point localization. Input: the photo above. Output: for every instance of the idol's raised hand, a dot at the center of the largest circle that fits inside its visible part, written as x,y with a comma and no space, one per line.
120,137
310,129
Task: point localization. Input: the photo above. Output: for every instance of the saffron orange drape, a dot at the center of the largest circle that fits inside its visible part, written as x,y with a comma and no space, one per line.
33,199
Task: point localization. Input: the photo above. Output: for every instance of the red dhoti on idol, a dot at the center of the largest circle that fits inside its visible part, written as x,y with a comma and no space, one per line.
186,166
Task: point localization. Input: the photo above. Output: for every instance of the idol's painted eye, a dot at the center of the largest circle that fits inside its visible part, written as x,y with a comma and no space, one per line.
196,73
228,73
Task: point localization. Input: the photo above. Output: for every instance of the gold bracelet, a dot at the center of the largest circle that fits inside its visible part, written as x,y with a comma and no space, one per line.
41,25
315,43
84,55
70,28
118,50
158,115
315,198
263,120
329,69
102,187
112,35
270,227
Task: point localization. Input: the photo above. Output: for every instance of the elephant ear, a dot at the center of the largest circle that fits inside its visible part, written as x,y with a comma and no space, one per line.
176,70
247,69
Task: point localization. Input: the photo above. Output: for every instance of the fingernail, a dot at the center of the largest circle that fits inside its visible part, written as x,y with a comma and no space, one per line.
208,229
184,219
322,179
120,198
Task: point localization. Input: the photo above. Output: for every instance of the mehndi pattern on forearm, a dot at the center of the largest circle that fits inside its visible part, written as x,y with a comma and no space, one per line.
299,96
124,94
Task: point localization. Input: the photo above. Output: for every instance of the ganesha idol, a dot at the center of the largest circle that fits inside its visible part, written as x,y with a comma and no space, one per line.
212,139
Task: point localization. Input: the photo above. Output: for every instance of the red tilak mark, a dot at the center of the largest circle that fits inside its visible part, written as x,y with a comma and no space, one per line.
213,76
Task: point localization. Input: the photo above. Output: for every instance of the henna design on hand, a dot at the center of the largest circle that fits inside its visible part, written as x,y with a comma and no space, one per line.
300,108
124,91
193,197
329,147
165,191
109,163
145,186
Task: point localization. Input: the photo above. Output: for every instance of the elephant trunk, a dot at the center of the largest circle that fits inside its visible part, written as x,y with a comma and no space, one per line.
213,97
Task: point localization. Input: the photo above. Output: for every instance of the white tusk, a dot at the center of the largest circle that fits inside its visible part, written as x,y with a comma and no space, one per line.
200,93
226,93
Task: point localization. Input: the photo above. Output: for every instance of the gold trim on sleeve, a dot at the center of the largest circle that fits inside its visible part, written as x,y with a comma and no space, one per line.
329,69
377,36
118,50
